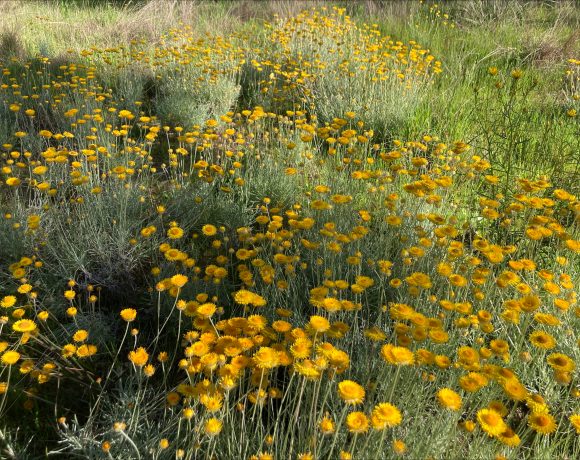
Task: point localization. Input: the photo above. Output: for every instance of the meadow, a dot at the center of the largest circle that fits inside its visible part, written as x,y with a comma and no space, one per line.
289,229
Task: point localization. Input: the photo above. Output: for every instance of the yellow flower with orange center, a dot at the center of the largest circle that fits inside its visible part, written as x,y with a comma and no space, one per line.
399,356
351,392
175,233
542,423
209,230
491,422
357,422
24,325
385,415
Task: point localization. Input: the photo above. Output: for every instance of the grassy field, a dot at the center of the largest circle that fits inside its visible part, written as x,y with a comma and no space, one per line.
289,229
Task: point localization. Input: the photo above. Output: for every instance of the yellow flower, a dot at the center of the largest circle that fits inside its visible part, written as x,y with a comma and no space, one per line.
8,301
213,427
209,230
351,392
148,231
469,426
27,366
13,181
198,348
514,389
376,334
206,310
399,447
467,355
179,280
301,348
244,297
174,233
542,423
80,336
575,421
119,426
385,415
536,403
400,356
561,362
319,324
175,254
128,314
499,347
457,280
266,358
449,399
357,422
510,438
139,357
84,351
188,413
542,340
499,407
126,114
69,350
24,288
393,220
516,73
573,245
70,294
24,325
320,205
472,382
326,425
491,422
10,357
173,398
149,370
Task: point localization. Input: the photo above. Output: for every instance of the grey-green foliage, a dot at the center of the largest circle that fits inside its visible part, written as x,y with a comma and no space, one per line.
13,245
133,83
182,100
89,241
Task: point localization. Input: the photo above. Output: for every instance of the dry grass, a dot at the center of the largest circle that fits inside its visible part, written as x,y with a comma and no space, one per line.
38,27
157,16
